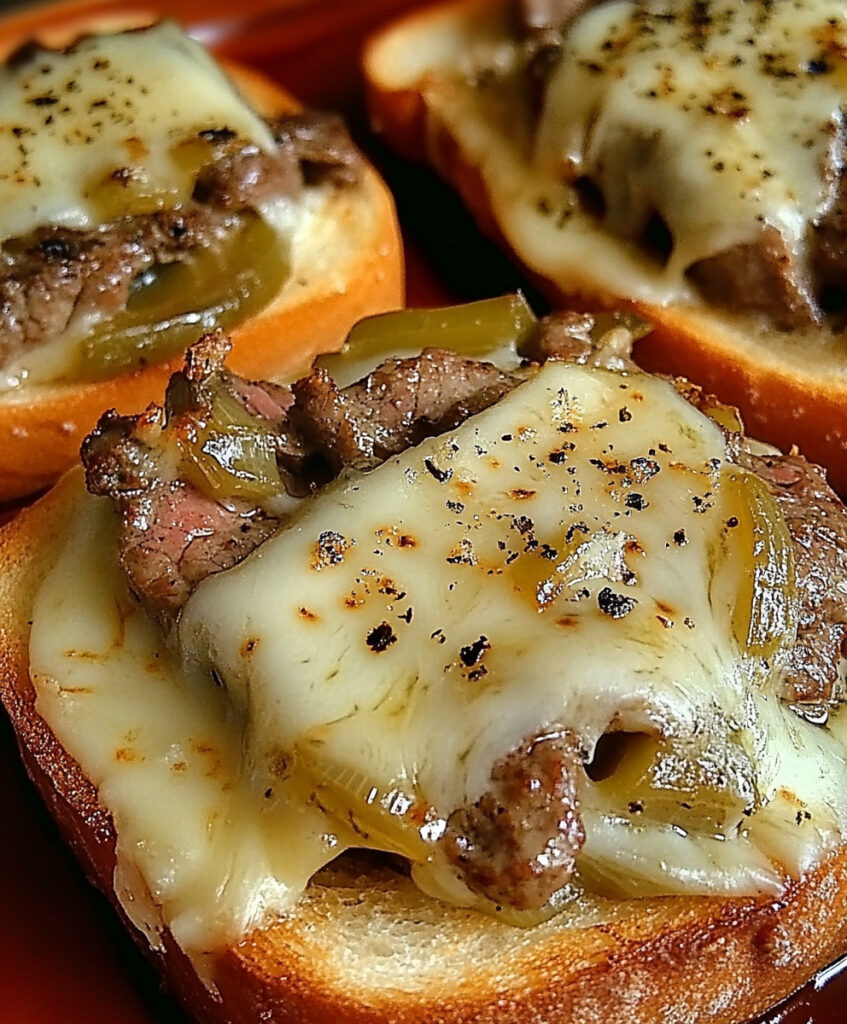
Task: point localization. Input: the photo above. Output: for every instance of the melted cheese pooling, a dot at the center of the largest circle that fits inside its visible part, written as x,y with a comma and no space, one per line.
721,118
563,557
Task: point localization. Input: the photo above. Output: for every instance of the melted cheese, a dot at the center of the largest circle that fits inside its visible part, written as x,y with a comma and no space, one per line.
200,847
563,557
720,118
720,125
115,126
122,104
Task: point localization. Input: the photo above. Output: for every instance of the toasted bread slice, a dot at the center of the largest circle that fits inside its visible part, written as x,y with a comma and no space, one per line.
365,945
790,389
347,265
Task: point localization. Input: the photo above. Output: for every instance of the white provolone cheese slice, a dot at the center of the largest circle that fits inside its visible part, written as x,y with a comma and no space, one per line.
718,119
110,113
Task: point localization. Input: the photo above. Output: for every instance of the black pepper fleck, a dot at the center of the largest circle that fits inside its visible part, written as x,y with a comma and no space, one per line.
380,638
643,468
615,605
441,475
636,501
471,654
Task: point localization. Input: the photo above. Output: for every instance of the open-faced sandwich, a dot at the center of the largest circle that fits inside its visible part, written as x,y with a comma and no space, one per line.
549,639
688,157
147,195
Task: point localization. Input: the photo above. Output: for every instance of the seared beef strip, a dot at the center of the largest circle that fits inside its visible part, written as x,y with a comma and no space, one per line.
518,843
321,145
318,430
239,177
176,537
66,275
398,405
172,534
829,239
61,276
760,276
601,339
567,336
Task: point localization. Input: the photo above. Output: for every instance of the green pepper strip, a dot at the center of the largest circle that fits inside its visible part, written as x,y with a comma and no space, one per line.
475,330
215,287
226,452
765,615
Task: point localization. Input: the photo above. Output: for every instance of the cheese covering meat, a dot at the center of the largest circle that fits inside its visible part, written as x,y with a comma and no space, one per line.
675,153
576,554
720,117
111,115
142,200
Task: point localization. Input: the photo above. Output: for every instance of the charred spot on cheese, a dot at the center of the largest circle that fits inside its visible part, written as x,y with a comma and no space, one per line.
381,637
329,550
614,604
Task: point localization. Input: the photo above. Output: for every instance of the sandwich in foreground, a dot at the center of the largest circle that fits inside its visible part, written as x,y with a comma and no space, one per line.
686,158
501,683
147,194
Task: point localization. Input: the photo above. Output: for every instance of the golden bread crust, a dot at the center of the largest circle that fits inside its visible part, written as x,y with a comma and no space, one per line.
800,400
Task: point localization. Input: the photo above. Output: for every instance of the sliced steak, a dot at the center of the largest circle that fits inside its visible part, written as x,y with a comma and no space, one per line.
65,276
568,336
398,405
174,537
240,177
817,522
321,145
830,244
829,237
61,277
761,277
173,533
518,843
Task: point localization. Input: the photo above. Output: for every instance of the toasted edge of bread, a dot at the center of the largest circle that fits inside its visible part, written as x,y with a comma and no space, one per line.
786,396
364,945
352,268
